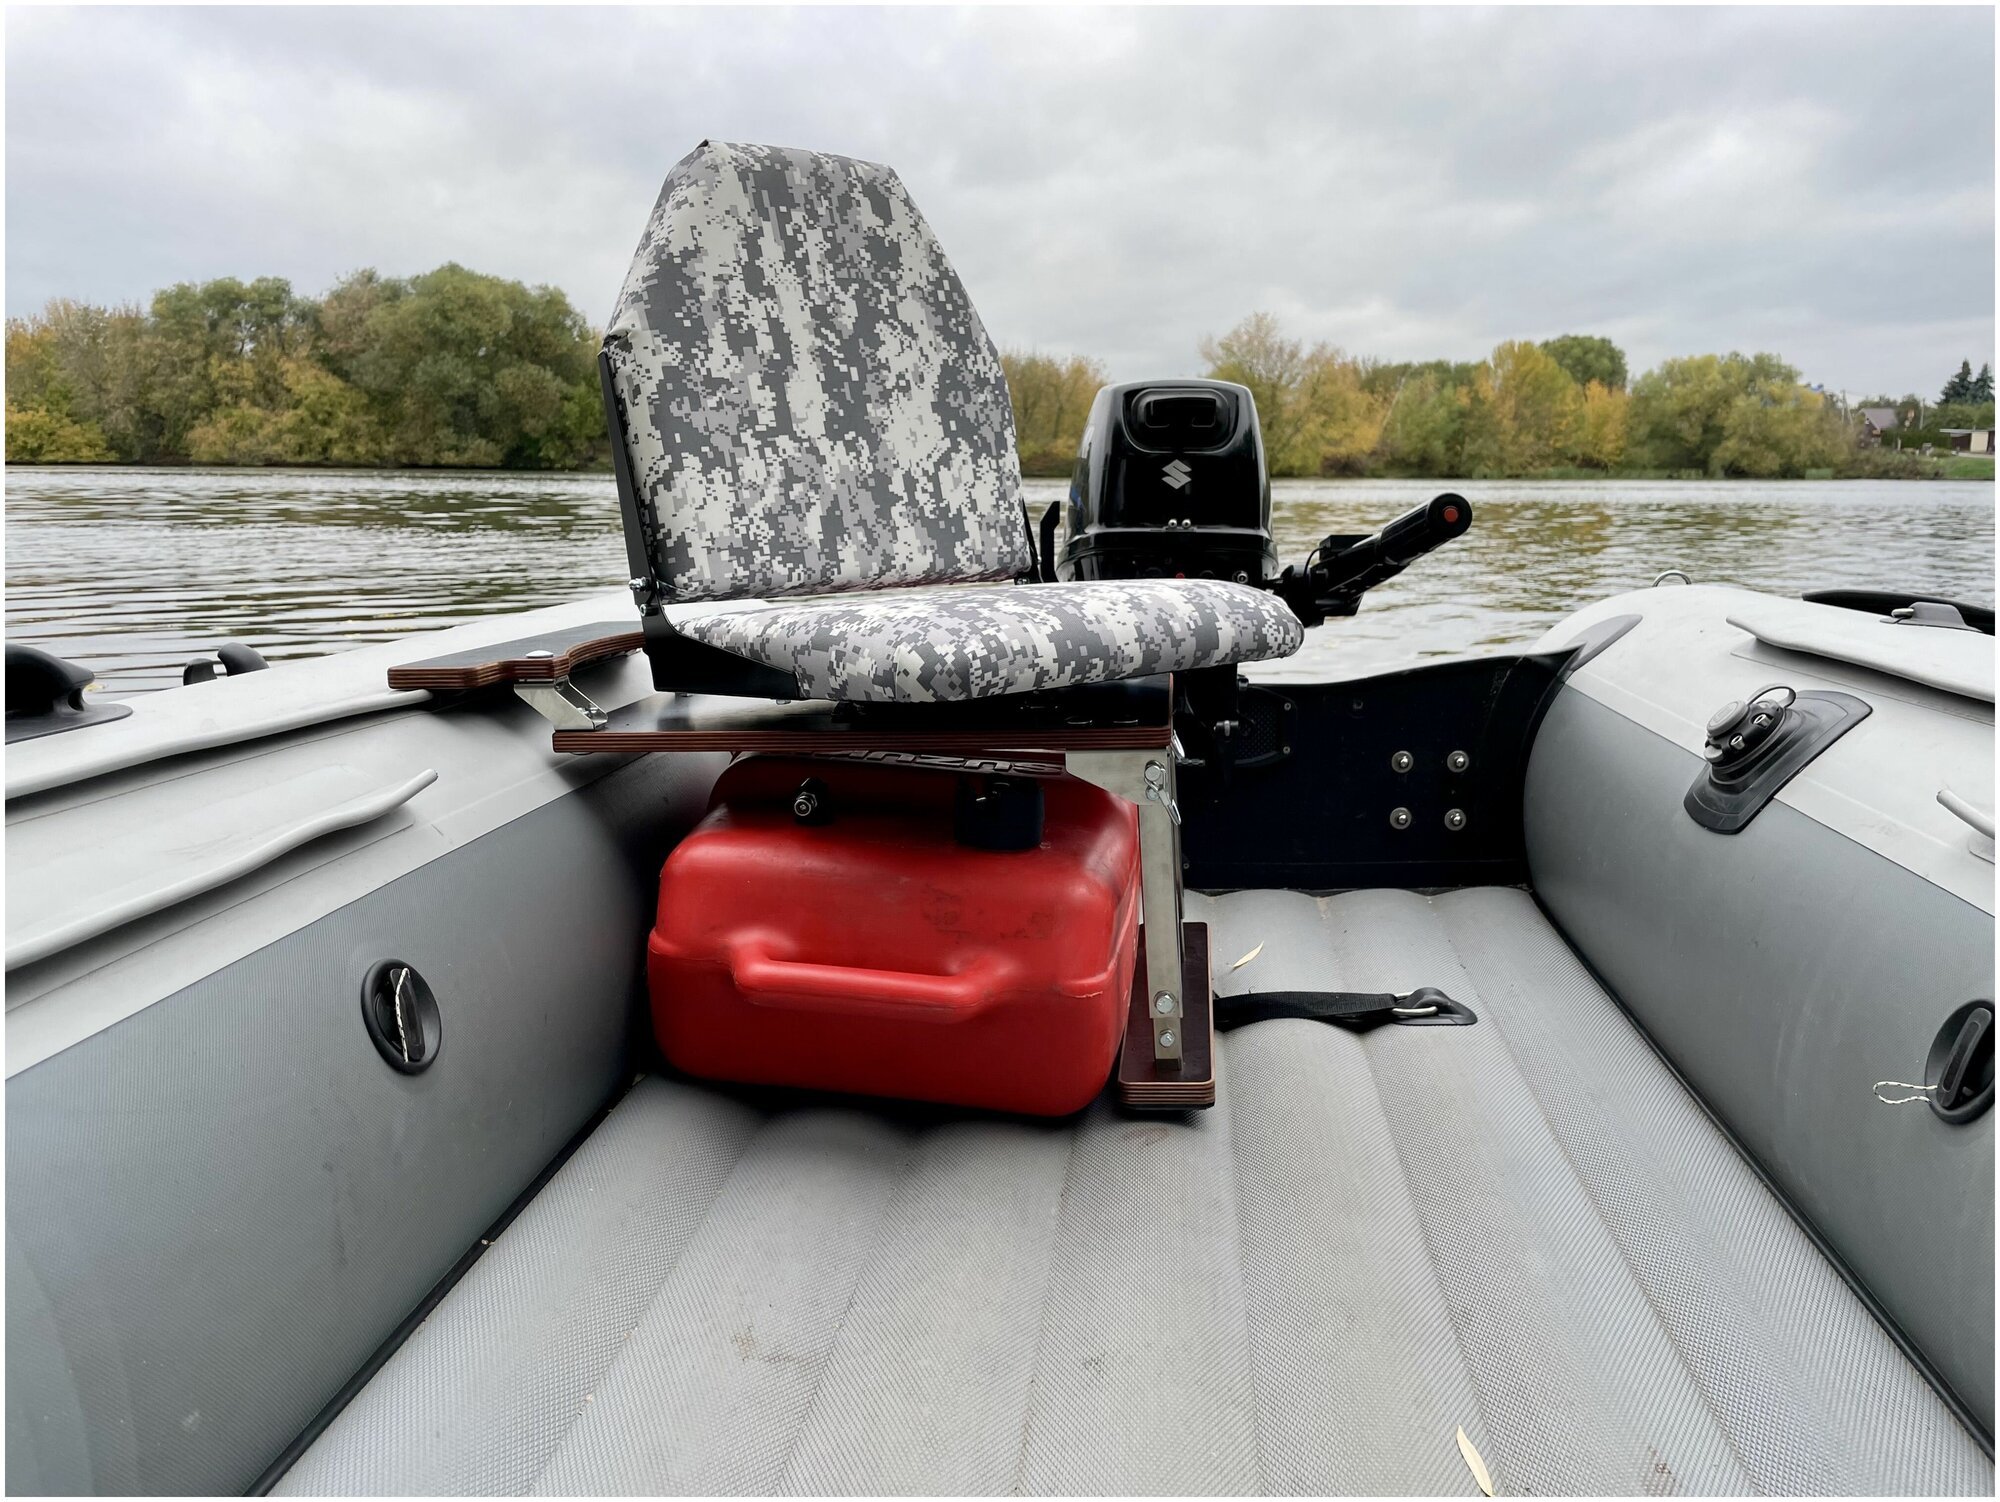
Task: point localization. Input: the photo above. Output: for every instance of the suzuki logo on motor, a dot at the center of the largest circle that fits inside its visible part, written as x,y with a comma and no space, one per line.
1177,475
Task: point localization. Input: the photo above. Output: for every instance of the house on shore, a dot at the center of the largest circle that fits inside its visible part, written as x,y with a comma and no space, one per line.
1875,421
1970,440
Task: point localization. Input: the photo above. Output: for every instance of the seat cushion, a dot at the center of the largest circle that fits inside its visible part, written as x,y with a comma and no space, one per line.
1525,1228
949,645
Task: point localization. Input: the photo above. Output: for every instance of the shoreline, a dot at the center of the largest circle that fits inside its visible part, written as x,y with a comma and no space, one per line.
1972,467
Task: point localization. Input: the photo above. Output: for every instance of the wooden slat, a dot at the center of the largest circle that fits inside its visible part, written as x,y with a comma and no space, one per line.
509,662
1105,717
807,741
1149,1084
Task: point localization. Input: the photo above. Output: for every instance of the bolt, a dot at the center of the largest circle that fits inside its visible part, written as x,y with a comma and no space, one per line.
1454,819
639,586
1458,761
1402,761
1399,818
1241,576
1167,1038
805,804
1164,1003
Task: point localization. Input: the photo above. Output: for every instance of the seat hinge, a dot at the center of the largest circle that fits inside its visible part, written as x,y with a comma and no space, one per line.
562,704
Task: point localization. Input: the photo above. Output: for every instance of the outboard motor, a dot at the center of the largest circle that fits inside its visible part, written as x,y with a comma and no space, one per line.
1169,484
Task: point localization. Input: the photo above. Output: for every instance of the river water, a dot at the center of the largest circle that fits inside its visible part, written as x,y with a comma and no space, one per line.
132,572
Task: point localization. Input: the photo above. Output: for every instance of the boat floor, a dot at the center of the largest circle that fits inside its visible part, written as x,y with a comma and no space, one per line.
1526,1229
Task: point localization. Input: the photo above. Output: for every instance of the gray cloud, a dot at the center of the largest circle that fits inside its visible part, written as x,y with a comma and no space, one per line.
1405,183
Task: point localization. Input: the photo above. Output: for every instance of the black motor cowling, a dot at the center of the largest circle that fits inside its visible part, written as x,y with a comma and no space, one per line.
1170,483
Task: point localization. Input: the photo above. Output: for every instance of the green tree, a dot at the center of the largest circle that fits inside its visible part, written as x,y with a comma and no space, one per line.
1321,410
214,346
447,368
1602,426
1386,378
465,369
1051,398
34,372
1524,412
1587,358
1681,409
340,324
1959,387
37,435
86,363
321,420
1257,355
1982,385
1423,432
1969,414
1779,428
1340,420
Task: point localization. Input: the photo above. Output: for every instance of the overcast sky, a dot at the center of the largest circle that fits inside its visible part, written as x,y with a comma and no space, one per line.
1405,183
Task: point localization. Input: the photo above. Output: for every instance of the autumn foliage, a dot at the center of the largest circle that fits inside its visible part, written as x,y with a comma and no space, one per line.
447,368
460,369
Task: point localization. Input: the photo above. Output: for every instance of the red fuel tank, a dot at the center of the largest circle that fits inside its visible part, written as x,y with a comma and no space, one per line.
863,948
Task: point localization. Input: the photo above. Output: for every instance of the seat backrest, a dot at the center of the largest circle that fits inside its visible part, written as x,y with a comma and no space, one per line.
808,401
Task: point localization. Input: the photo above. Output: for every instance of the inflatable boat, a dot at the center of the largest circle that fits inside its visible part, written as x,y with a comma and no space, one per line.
1562,1071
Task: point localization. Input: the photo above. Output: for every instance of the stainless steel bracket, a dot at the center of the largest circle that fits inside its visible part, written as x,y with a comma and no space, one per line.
1146,780
562,704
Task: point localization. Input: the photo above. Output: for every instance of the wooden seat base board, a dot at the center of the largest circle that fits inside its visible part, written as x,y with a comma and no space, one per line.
1132,716
1149,1084
510,662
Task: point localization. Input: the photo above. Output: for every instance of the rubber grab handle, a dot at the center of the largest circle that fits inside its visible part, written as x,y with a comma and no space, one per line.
898,995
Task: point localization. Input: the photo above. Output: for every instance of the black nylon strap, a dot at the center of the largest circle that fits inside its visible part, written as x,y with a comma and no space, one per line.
1357,1011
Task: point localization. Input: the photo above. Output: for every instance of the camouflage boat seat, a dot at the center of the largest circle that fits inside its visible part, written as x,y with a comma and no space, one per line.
975,643
804,402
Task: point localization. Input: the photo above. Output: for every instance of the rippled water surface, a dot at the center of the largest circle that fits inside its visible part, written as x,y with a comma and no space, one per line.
132,572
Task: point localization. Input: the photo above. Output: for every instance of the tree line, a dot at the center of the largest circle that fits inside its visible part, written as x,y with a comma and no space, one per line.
1564,405
448,368
455,368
